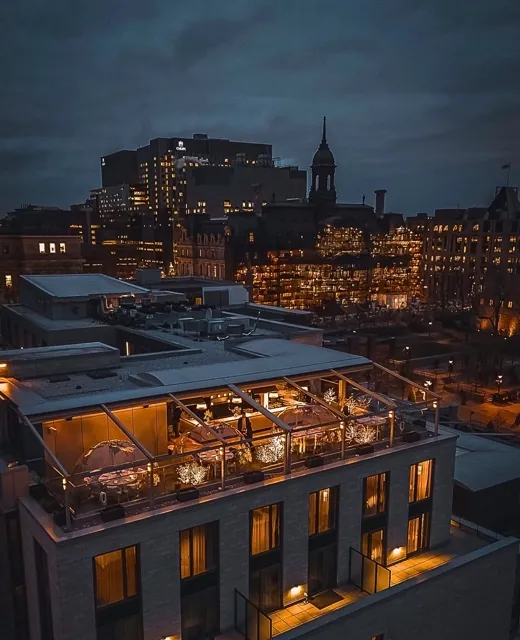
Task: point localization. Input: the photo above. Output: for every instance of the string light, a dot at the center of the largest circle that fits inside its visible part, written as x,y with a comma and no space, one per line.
192,473
272,451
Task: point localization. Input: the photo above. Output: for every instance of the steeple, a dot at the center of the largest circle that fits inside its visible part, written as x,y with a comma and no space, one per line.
323,168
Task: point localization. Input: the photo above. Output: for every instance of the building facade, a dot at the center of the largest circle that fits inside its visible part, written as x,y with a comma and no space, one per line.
336,525
29,254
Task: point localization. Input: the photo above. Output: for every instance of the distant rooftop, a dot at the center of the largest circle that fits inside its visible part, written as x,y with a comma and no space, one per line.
83,285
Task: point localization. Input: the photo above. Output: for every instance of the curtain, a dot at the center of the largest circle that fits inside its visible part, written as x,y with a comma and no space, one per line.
184,544
324,510
260,531
413,535
199,550
371,496
131,571
424,479
109,578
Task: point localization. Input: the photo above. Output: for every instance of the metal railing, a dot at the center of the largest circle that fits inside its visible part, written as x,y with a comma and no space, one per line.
472,527
252,623
367,574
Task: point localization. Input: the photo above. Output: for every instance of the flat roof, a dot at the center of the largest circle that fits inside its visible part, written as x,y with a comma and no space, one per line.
83,285
481,462
247,361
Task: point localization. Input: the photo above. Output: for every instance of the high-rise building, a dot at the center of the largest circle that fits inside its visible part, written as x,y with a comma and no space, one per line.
250,488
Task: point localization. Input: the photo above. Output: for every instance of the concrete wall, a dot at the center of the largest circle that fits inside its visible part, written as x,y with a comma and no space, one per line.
469,598
71,558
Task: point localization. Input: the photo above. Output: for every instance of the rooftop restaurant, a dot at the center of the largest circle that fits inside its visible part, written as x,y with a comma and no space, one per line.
203,429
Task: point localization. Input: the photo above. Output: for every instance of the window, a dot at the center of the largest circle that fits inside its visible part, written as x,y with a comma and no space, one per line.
52,247
375,494
116,576
418,533
41,247
322,510
44,592
251,236
420,481
198,550
373,545
8,280
265,529
63,247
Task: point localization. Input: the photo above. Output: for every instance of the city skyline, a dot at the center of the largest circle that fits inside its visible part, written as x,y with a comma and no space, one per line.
415,103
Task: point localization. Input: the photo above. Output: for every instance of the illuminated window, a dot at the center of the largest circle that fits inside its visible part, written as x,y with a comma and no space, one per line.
116,576
41,247
420,487
63,248
198,549
373,544
265,529
509,304
251,236
418,533
375,494
322,510
52,247
8,280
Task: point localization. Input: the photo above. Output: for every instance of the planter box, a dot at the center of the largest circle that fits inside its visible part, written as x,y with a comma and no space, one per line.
363,449
114,512
188,494
253,476
59,517
313,462
411,436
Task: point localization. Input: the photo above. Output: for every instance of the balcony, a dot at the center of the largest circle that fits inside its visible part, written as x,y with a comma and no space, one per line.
463,540
125,459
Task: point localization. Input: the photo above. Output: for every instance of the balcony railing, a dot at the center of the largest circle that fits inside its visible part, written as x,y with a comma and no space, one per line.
367,574
252,623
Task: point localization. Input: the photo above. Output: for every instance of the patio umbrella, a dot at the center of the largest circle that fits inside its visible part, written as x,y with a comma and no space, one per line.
109,453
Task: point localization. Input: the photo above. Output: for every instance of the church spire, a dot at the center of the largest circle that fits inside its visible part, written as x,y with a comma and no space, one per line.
323,167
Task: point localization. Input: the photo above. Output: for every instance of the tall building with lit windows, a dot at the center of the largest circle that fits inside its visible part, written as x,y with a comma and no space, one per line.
243,489
473,255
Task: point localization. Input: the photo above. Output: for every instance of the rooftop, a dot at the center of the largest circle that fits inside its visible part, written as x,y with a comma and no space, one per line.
83,285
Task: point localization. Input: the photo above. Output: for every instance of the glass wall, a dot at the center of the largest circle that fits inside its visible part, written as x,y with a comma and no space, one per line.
420,481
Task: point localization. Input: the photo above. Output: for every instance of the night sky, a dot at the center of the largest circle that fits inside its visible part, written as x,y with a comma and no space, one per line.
422,98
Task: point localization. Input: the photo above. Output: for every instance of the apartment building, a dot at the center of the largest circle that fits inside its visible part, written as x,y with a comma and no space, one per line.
247,488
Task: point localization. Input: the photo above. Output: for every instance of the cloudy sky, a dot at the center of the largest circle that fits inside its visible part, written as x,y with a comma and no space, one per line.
422,98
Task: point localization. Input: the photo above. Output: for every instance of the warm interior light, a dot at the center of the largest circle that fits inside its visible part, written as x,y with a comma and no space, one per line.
236,400
3,365
273,394
201,405
398,551
295,591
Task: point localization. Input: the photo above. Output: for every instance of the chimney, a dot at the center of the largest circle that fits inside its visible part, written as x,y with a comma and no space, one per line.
380,202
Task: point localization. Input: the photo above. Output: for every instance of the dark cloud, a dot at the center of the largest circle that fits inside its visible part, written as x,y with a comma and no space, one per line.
422,98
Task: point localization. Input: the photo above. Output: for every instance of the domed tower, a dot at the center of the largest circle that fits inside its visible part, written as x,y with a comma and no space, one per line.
323,190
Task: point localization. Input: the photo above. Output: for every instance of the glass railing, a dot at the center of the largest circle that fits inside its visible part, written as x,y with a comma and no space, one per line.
252,623
367,574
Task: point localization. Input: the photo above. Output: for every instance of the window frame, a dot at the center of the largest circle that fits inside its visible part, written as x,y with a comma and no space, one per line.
415,465
333,511
379,511
126,598
211,530
271,548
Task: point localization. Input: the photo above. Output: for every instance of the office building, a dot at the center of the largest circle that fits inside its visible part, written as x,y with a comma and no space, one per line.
143,511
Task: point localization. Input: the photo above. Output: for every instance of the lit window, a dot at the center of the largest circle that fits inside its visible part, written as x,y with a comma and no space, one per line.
265,529
420,487
322,510
373,544
52,247
116,576
63,247
198,548
509,304
418,533
374,494
8,280
251,236
41,246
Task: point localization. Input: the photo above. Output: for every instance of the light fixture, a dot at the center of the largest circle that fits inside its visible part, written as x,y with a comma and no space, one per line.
273,394
64,483
435,404
201,405
236,400
295,591
391,413
3,365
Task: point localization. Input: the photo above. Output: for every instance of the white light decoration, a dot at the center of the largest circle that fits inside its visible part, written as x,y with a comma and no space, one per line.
244,455
208,415
365,434
361,402
350,432
192,473
272,451
330,396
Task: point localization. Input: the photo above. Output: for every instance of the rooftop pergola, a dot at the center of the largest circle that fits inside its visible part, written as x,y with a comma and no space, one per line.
343,377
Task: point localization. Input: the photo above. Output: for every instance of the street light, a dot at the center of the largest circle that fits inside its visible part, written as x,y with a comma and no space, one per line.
499,381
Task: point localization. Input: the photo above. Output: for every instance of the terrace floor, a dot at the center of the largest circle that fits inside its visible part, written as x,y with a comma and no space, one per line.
461,543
